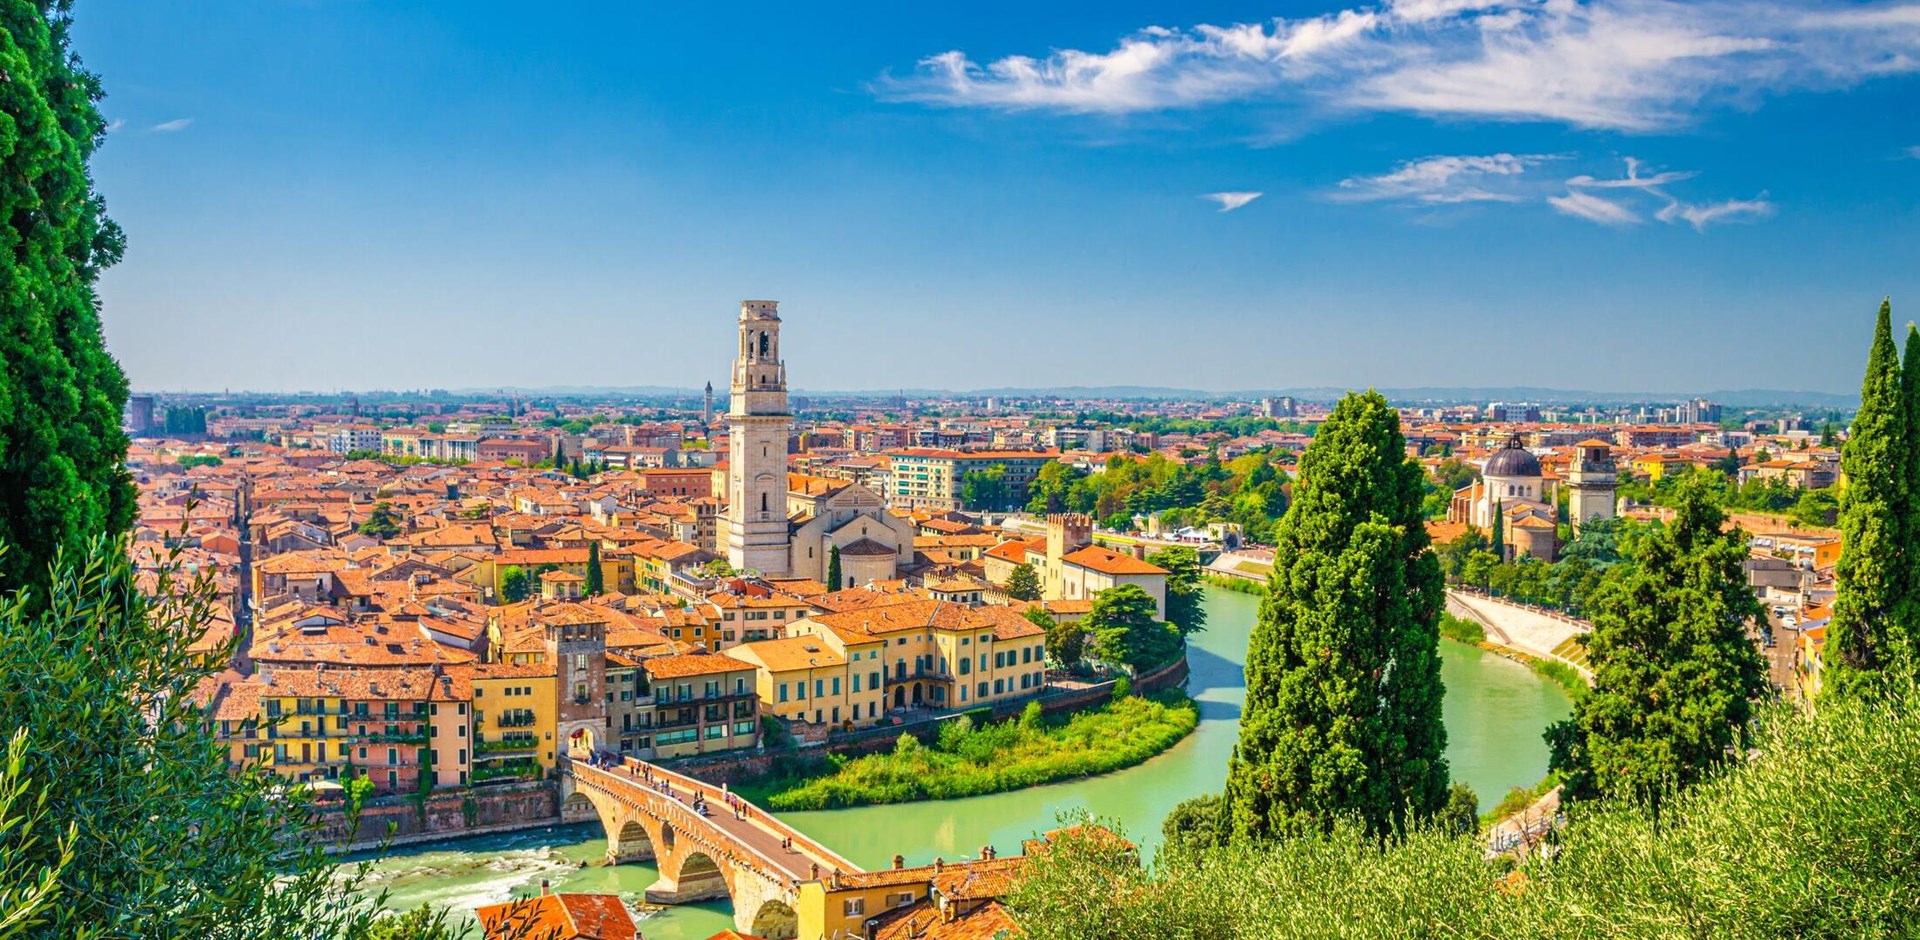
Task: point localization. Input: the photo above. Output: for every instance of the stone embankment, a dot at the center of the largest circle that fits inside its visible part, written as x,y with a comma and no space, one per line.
1529,631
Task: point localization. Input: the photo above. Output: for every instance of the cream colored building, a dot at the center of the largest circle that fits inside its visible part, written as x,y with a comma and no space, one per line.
1071,567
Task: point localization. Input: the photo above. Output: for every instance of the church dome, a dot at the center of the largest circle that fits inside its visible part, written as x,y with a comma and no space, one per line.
1513,460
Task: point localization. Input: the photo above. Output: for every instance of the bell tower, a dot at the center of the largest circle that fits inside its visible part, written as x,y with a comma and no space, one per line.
757,424
1592,480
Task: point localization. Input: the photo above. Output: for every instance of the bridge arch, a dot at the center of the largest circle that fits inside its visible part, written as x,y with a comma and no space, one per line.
630,843
775,920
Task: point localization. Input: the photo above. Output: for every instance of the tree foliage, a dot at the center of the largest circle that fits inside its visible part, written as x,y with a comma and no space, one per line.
1024,583
1121,629
1343,668
381,522
1186,609
63,482
1249,491
985,489
515,584
835,578
1676,673
596,577
1811,838
1873,586
170,841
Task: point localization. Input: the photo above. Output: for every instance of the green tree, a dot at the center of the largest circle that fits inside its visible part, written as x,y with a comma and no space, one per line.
170,841
1197,823
1121,629
1343,668
985,488
596,578
1870,580
836,579
1461,815
63,482
1185,607
1066,641
515,584
381,522
428,923
1676,674
1024,583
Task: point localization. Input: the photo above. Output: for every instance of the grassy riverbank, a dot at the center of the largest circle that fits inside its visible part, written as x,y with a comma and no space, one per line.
971,761
1237,585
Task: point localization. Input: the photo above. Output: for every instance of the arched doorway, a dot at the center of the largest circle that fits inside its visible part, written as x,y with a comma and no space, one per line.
899,696
581,742
776,921
919,693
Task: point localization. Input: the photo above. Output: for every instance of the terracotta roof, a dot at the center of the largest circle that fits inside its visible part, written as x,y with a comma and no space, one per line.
681,666
865,547
1108,561
559,917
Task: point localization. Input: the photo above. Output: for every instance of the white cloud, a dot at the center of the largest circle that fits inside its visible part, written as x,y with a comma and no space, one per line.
115,125
1701,216
1633,179
1623,64
1914,152
1442,180
1230,201
168,127
1593,208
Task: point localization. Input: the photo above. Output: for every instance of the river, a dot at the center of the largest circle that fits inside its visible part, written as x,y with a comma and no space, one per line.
1495,710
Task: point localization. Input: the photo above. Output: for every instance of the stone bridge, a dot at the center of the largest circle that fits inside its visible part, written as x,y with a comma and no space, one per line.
757,861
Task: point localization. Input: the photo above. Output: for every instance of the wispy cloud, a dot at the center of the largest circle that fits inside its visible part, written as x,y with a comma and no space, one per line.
115,125
1232,200
168,127
1593,208
1432,182
1623,64
1442,180
1701,216
1914,152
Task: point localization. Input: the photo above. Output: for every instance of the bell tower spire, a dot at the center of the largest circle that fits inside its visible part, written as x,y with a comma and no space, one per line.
758,421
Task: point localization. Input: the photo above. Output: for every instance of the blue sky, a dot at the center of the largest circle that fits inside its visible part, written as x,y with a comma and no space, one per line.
1614,195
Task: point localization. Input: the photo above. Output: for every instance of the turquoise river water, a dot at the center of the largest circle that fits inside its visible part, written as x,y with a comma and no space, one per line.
1495,710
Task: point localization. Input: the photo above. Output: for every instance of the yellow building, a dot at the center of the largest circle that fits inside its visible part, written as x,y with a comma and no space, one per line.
820,679
943,655
514,717
702,703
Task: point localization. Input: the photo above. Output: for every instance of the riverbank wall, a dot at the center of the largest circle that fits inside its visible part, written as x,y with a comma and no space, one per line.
733,769
445,814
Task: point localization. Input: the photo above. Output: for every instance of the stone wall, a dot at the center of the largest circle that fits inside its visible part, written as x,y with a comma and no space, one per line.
399,820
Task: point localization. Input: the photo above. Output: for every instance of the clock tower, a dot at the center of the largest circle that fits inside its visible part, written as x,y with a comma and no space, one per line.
758,422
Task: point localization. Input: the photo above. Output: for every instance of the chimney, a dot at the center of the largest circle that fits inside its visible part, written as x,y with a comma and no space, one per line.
899,862
938,865
545,889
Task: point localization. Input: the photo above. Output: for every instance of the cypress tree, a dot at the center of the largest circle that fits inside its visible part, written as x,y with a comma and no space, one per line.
1870,578
834,576
1343,669
596,579
1675,672
63,479
1910,510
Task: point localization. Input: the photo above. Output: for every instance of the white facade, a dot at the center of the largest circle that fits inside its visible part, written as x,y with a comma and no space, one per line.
757,427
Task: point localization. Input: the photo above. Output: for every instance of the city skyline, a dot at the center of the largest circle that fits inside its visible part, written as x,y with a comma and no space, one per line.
1601,196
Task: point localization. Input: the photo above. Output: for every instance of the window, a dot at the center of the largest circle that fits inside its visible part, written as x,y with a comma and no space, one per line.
836,685
856,682
983,690
856,907
743,727
819,685
900,899
783,691
716,731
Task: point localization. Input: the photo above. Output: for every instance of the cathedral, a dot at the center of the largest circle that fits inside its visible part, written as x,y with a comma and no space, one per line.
787,525
1513,487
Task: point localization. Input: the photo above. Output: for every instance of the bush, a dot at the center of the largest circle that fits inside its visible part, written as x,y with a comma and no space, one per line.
1461,629
1811,837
